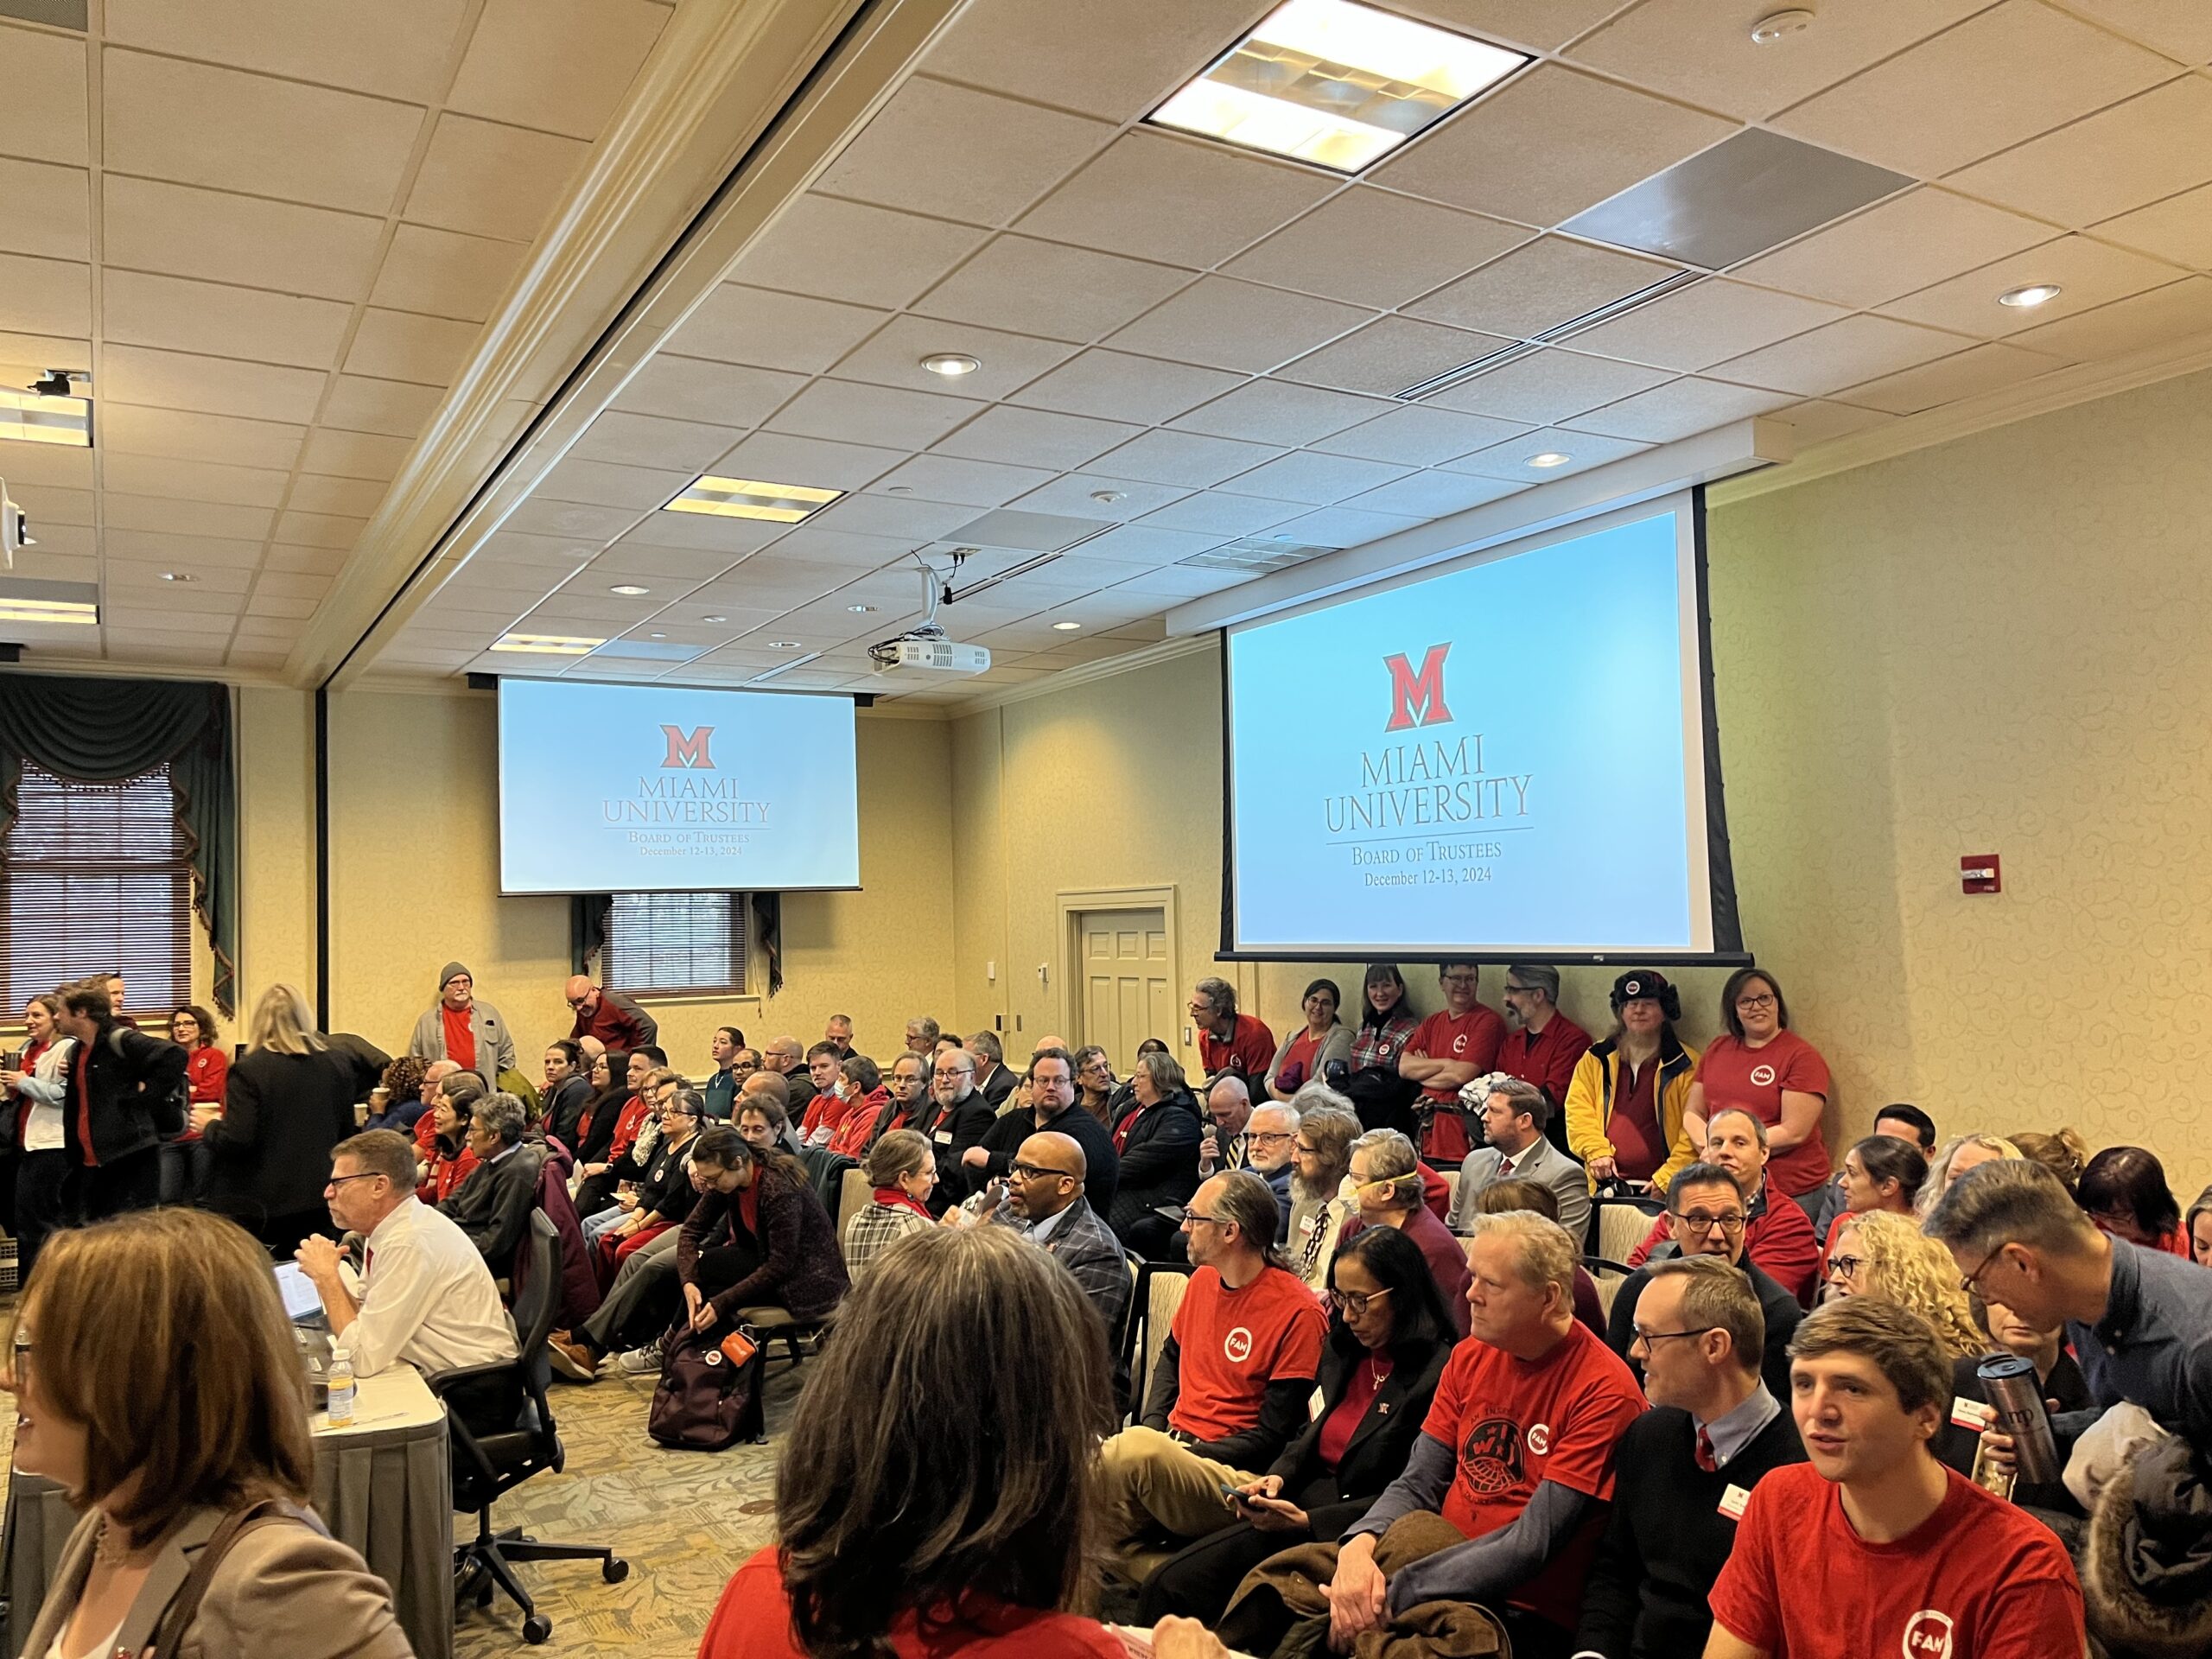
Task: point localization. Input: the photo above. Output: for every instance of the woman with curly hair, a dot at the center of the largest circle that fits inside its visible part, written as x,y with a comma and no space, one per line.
1959,1155
404,1104
1885,1255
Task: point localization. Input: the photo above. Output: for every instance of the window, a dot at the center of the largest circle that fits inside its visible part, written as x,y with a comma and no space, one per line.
675,944
95,878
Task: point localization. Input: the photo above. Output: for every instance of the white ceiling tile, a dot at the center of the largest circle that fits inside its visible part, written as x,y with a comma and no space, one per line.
1035,437
46,72
559,65
444,273
1071,495
1511,460
1314,480
1238,326
48,505
49,209
1344,527
1185,458
2174,312
212,385
607,484
1418,434
141,309
961,154
775,458
253,486
354,454
698,389
969,483
1181,200
160,514
1116,386
1276,411
2001,77
313,493
1369,247
51,463
570,519
401,345
736,324
395,408
1218,513
2180,29
648,441
1540,25
196,123
147,225
45,297
1696,326
893,357
1117,70
888,415
1390,355
1894,247
904,518
1433,494
2120,158
318,530
398,48
2088,273
848,251
1549,386
1149,544
1547,144
490,180
322,561
1965,374
1680,409
173,552
808,545
1536,288
1041,288
2178,229
702,532
1839,354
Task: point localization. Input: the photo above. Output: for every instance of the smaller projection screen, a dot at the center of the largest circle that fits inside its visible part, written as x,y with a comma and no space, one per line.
669,789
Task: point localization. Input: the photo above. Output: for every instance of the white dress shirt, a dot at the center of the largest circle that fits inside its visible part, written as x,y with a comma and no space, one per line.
426,1298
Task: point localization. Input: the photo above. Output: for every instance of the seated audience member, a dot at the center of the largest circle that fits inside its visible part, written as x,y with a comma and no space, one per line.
456,1089
726,1049
448,1160
1760,1063
1095,1083
562,1102
1516,1115
1886,1256
1388,1190
2139,1321
1713,1431
184,1300
1707,1213
1541,1045
406,1100
2058,1378
1229,1387
1777,1235
956,1121
1221,1131
861,1084
423,1293
2124,1189
1320,1208
663,1195
1900,1122
1880,1173
1052,1106
1230,1044
1389,1336
615,1162
893,1540
289,1101
764,1117
1044,1200
922,1033
1304,1056
1501,1196
1966,1153
837,1030
784,1057
1157,1143
1626,1107
1271,1143
826,1108
1448,1050
2063,1152
491,1207
1872,1546
995,1080
900,1174
462,1028
1382,1098
608,1074
614,1019
1504,1500
2199,1224
757,1237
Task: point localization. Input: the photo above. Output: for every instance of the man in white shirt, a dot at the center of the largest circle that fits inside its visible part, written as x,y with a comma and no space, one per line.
424,1294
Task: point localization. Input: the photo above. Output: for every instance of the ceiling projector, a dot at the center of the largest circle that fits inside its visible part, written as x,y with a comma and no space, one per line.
922,652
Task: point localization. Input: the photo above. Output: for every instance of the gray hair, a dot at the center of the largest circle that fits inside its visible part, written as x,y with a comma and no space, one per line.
2012,1201
1219,994
1757,1123
1537,976
1390,1158
1719,1296
1311,1095
504,1116
1546,1253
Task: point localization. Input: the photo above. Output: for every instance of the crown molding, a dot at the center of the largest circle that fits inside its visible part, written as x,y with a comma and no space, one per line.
1106,668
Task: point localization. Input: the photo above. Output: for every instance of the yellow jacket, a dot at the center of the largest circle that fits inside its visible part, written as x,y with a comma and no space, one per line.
1590,1105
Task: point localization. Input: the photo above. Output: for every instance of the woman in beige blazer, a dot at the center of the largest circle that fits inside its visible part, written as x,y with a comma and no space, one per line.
156,1380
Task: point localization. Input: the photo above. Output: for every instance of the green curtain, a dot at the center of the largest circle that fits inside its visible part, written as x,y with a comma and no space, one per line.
99,731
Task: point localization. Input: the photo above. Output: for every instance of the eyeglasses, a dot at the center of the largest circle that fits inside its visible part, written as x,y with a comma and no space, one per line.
1846,1267
1191,1216
1697,1222
365,1175
1258,1135
1352,1302
1039,1171
578,1001
1647,1338
19,1361
1459,979
1746,1004
1968,1283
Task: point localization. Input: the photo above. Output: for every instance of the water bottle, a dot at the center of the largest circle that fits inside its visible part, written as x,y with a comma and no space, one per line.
340,1380
2016,1396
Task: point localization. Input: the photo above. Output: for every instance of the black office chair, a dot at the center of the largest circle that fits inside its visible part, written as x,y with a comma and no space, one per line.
489,1463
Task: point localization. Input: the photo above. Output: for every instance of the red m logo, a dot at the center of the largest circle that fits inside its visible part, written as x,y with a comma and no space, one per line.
687,752
1417,699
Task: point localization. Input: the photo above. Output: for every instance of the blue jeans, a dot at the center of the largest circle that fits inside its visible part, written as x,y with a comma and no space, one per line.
598,1223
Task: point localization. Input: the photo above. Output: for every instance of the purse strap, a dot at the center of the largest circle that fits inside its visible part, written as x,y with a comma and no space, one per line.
184,1606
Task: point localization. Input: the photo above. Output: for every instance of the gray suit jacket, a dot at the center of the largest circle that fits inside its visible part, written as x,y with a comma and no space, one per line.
1543,1163
284,1589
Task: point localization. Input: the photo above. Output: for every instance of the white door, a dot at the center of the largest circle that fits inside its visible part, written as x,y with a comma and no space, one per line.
1127,981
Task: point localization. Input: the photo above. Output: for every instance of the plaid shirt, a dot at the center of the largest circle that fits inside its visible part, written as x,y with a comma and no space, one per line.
1377,1047
1081,1242
875,1230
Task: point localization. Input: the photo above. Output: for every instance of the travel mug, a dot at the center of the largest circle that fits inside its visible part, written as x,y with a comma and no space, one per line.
2016,1395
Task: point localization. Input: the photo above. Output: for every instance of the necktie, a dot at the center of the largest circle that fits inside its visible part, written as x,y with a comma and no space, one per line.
1704,1457
1505,1169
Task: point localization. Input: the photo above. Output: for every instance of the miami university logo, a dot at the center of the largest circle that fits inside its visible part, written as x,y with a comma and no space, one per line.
1417,699
687,754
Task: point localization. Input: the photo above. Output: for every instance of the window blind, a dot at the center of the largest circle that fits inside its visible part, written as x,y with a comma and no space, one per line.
676,943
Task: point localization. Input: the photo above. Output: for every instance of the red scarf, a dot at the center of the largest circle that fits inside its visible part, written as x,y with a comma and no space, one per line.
897,1197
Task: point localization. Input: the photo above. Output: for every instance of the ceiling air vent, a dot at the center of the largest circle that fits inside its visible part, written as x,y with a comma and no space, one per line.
1257,555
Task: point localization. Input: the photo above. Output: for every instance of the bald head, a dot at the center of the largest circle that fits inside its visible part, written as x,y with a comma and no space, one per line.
1230,1103
1047,1176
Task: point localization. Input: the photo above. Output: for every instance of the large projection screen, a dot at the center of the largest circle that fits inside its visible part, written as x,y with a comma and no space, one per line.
669,789
1508,755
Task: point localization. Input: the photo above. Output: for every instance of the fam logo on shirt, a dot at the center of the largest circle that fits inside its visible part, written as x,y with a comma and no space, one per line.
1417,698
1490,1456
1460,1043
1761,1075
1928,1635
1237,1344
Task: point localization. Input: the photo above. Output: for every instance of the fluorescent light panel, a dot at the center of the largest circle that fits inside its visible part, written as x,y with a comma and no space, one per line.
28,419
48,610
547,645
744,498
1335,83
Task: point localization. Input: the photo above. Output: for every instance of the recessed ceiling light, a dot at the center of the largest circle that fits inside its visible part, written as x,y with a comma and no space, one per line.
1335,83
2026,299
1779,25
951,365
1108,498
629,589
178,575
547,645
655,636
785,644
1065,627
1550,458
743,498
860,610
28,419
713,618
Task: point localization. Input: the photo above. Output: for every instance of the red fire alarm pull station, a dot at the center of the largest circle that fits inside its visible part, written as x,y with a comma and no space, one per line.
1979,873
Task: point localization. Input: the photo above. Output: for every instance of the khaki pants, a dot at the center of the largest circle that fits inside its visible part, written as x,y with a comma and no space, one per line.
1154,1484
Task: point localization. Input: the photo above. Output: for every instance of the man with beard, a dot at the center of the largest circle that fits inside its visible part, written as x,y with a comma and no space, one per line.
1541,1045
1044,1199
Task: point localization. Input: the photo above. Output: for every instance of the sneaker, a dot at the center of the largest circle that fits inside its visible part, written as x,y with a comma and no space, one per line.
642,1362
572,1360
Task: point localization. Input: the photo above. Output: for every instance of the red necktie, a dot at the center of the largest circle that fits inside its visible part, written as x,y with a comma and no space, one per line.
1505,1169
1704,1457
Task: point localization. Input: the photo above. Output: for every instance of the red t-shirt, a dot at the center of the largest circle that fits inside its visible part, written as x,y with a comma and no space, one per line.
461,1036
1300,1056
753,1621
1754,1078
1472,1039
207,1070
1978,1579
1517,1424
1547,1060
1234,1343
832,1109
1248,1054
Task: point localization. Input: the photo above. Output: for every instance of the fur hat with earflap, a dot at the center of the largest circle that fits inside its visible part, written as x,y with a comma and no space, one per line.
2146,1571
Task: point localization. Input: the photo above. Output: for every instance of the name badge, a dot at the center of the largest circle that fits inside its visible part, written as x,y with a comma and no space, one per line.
1732,1502
942,1137
1972,1415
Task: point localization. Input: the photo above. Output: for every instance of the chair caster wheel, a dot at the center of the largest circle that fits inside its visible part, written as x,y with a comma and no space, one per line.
614,1569
535,1628
484,1597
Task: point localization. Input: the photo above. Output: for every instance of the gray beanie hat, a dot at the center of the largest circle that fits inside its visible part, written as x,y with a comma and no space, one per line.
446,974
